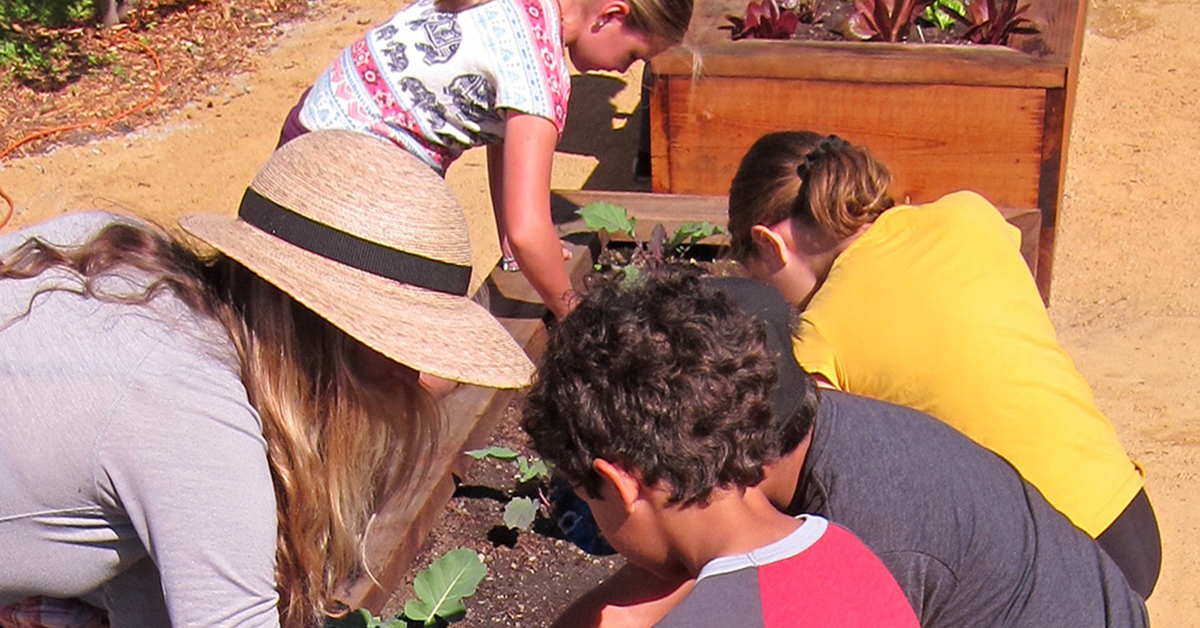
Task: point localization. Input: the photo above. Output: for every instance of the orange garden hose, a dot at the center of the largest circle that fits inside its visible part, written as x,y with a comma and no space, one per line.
83,125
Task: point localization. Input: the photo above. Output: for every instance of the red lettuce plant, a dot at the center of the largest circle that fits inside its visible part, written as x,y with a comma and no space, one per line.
883,20
764,20
992,24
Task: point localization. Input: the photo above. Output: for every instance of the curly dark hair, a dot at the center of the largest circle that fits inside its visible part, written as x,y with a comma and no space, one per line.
667,378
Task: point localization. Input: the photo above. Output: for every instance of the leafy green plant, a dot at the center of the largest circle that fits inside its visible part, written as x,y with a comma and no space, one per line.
441,591
944,13
767,20
659,248
442,588
30,52
883,20
520,512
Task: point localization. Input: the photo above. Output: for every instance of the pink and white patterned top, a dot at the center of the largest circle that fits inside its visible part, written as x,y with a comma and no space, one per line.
437,83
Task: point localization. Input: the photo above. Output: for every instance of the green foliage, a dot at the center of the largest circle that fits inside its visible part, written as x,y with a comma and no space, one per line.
49,13
612,218
601,216
530,469
442,587
440,590
942,13
691,233
527,468
520,513
499,453
31,53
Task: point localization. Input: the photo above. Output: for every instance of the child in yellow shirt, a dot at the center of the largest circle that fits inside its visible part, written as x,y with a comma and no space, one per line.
932,307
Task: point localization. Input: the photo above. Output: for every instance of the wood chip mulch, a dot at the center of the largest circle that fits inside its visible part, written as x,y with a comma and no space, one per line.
106,72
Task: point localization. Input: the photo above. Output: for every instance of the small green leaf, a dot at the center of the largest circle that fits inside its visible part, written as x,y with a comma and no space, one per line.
499,453
631,275
520,513
530,470
693,232
442,587
608,217
942,13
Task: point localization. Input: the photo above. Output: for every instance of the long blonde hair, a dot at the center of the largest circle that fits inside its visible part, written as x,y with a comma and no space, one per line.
337,440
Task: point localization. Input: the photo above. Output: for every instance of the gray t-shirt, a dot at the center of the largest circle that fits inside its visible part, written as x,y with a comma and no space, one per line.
969,541
133,469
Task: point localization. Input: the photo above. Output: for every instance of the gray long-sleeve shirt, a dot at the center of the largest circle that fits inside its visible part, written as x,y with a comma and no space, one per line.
133,469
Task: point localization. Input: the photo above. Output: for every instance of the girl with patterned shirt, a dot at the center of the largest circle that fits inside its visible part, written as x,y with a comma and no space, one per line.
440,77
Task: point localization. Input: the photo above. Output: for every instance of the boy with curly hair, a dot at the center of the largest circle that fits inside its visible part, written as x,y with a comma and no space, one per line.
656,404
663,403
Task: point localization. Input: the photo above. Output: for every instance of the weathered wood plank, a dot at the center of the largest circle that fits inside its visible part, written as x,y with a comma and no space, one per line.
660,141
469,416
935,139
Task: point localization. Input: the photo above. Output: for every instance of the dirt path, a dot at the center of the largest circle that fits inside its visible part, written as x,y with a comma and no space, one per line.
1125,300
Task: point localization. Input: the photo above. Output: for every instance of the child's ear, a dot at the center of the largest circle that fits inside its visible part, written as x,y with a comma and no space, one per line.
769,246
624,485
613,10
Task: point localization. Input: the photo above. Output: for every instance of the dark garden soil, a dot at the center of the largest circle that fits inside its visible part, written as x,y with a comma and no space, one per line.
532,575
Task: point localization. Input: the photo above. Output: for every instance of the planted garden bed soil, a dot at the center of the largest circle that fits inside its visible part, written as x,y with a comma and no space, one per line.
532,575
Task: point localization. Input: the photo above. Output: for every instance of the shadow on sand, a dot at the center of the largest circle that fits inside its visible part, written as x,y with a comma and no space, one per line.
590,131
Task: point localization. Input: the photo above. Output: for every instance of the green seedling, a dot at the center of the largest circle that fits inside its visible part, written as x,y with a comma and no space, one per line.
441,590
945,13
520,512
660,248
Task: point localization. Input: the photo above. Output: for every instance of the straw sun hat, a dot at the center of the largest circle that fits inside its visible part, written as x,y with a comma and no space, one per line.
372,240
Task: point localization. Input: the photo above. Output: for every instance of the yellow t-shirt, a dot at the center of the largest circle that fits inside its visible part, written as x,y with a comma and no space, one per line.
934,308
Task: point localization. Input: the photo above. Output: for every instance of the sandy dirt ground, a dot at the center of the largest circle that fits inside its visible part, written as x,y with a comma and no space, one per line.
1125,296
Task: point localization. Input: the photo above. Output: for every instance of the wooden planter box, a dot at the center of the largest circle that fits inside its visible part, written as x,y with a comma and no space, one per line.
943,118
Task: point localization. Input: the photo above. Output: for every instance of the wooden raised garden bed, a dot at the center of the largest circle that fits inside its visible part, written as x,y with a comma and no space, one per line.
942,117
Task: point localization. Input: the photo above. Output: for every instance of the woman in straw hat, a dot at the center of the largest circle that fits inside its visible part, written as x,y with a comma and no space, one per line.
199,441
